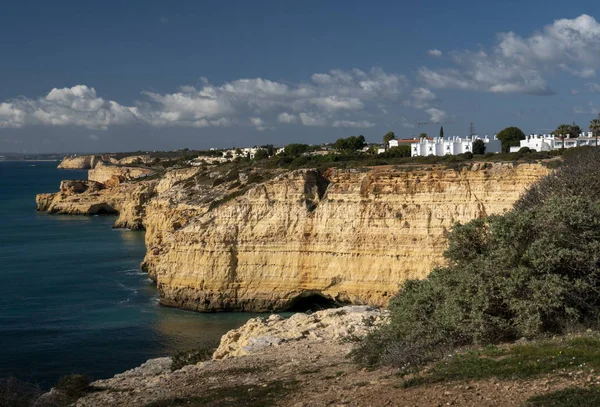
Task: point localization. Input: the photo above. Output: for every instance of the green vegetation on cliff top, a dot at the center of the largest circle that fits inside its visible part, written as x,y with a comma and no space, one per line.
531,272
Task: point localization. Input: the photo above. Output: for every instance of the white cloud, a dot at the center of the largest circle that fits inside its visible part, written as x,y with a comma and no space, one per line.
421,98
592,87
436,115
286,118
515,64
349,123
94,137
258,123
320,102
332,103
406,123
312,119
76,106
435,52
590,109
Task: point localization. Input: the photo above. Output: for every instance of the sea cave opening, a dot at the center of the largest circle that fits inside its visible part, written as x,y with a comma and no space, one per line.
311,301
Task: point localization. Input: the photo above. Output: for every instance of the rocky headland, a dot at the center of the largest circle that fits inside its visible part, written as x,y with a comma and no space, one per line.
224,239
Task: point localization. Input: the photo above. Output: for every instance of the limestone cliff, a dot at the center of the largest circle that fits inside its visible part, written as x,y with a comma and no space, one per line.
105,192
127,201
113,175
222,239
83,162
352,236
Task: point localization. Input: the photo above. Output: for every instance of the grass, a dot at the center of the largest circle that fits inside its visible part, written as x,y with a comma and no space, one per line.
570,397
243,395
514,362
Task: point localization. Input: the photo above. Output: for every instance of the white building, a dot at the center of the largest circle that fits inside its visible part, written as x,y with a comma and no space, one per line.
452,145
548,142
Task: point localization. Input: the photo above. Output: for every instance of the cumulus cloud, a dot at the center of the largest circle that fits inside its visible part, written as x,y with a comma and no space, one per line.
286,118
76,106
312,119
421,98
436,115
357,124
515,64
435,52
258,123
252,101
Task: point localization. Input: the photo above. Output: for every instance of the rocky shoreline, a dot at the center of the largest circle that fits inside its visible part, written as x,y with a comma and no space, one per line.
273,339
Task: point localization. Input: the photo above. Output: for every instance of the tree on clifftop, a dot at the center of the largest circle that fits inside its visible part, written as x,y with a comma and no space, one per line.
509,137
562,132
574,130
595,128
348,144
478,147
386,139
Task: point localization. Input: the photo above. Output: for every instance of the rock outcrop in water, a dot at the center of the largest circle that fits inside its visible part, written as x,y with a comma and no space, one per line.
256,242
105,192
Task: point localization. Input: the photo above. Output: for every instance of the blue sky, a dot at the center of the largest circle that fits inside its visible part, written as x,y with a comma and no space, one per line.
110,76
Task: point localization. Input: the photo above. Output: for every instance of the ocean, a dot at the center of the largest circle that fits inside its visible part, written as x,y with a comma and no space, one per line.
72,296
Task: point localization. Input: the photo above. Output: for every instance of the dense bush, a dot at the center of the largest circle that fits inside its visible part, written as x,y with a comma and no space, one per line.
532,271
191,357
352,143
14,392
73,386
400,151
576,177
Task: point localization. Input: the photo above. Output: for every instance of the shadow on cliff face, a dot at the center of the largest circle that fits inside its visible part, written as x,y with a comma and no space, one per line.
102,209
311,302
315,186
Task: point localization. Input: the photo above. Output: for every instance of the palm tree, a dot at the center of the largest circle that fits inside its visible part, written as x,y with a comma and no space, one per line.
595,128
562,131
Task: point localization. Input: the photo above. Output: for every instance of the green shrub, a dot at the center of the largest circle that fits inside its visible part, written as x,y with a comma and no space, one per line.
73,386
576,177
191,357
569,397
532,271
14,392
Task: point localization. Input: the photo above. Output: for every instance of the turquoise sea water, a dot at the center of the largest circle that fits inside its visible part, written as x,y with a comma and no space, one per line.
72,297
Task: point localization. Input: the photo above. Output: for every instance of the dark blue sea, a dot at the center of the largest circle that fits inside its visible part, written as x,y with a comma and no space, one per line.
72,296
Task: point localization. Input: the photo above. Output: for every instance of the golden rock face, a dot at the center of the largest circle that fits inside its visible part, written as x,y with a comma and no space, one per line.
84,162
349,235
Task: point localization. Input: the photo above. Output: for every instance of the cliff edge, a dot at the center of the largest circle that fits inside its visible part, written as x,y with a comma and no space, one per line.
256,240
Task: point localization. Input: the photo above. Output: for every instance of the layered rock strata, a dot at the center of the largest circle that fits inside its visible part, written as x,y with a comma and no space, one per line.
347,236
225,241
113,175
